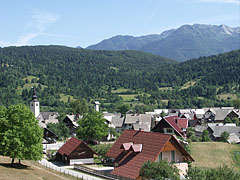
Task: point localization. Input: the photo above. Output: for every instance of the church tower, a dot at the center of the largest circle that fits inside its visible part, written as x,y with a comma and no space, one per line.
34,104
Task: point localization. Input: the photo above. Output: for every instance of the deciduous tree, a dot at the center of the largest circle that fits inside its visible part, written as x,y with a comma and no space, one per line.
21,136
92,127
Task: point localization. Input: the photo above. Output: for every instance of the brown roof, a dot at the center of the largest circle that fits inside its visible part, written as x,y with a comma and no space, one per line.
152,143
71,145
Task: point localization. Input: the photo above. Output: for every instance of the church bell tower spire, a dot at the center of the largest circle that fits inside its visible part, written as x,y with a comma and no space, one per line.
34,104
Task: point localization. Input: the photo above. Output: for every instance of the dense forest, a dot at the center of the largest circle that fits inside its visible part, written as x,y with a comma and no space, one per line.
136,80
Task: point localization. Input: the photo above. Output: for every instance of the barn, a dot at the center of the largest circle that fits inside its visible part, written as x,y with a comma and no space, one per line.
75,151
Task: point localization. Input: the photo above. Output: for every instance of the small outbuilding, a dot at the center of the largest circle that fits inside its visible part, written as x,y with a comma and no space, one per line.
75,151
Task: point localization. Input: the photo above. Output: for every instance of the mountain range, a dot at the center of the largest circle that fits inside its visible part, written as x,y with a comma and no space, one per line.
183,43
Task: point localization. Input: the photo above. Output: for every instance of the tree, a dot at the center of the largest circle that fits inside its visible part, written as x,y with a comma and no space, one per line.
123,108
227,120
224,136
159,170
79,107
60,129
205,136
92,127
21,136
237,103
236,121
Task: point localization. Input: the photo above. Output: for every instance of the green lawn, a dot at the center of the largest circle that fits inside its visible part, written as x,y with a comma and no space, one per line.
30,78
28,86
64,97
128,97
214,154
164,88
120,90
227,96
189,84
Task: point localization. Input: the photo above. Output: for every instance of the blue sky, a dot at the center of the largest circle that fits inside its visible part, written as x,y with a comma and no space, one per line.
86,22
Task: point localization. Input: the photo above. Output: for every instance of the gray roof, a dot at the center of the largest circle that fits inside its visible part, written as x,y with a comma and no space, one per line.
218,130
143,127
199,116
74,119
233,138
138,119
48,117
117,121
221,114
200,128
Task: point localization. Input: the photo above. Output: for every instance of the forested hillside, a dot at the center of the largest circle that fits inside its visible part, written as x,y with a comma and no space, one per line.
141,81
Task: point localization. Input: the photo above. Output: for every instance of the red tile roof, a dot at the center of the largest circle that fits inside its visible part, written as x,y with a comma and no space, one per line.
71,145
129,162
182,122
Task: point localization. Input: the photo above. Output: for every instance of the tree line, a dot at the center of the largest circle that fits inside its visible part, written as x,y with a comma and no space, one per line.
92,75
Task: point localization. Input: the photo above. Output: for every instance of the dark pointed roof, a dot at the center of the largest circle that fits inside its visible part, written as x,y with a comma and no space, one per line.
34,97
71,145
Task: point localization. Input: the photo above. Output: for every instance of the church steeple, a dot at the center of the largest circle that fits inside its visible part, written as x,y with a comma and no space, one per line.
34,104
34,97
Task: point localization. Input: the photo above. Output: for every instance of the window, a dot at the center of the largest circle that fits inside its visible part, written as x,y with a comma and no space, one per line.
172,156
31,104
36,104
168,131
160,156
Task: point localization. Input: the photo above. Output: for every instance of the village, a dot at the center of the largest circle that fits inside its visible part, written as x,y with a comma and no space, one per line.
154,136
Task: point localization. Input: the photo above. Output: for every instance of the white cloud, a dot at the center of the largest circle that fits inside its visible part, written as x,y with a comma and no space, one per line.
221,1
41,19
37,26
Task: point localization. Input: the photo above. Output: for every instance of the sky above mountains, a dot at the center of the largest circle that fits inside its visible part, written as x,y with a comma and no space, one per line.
83,23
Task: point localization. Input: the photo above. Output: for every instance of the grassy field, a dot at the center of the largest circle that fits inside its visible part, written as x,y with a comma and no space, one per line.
30,78
189,84
64,97
165,88
227,96
120,90
128,97
214,154
28,171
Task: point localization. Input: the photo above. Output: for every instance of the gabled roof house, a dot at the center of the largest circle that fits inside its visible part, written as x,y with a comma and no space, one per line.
75,151
172,125
133,148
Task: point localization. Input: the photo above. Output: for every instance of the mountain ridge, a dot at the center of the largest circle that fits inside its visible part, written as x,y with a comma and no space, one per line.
183,43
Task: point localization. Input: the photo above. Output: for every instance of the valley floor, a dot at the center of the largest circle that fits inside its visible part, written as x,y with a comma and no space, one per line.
214,154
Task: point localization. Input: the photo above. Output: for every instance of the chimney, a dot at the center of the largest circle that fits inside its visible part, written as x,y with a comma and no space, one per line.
97,104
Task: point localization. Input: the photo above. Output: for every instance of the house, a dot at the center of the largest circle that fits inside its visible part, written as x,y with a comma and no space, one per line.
172,125
233,114
114,120
75,151
48,117
133,148
221,114
209,115
71,123
233,138
215,130
117,121
199,130
140,119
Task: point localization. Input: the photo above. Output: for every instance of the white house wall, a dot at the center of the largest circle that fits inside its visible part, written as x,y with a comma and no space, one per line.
81,161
